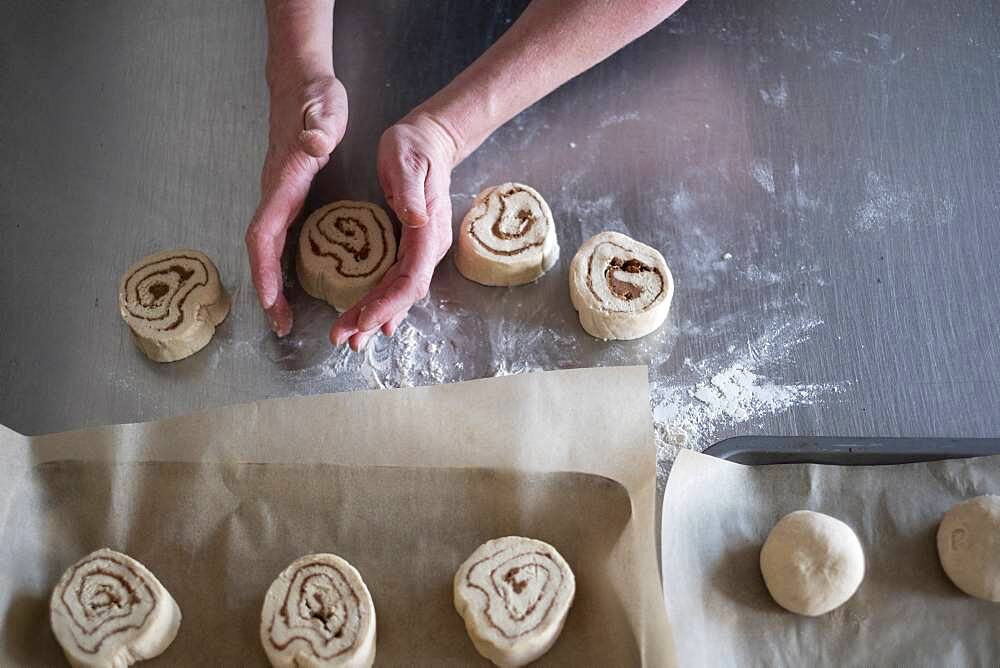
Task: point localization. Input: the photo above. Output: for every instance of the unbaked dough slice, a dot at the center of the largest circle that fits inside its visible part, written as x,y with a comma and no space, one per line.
621,288
812,563
514,594
172,301
109,611
968,542
318,614
508,237
344,250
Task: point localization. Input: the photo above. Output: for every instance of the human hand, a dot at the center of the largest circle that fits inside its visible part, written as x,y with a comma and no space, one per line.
415,160
307,122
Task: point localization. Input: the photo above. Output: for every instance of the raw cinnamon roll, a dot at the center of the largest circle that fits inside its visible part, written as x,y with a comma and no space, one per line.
620,287
172,301
514,594
109,611
344,250
318,613
507,238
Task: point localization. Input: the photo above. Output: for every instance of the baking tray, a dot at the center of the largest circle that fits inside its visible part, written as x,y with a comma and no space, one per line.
758,450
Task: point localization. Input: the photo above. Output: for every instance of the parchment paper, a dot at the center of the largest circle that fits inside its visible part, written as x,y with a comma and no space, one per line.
716,516
402,483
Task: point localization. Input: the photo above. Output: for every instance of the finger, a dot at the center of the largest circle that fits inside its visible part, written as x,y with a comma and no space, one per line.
390,327
265,240
401,293
360,340
346,324
323,123
406,177
344,328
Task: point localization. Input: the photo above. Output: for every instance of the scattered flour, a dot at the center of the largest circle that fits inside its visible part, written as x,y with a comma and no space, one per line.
682,202
619,119
776,95
723,391
887,204
763,174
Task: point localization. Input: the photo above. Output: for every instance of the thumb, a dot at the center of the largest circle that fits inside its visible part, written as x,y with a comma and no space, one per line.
322,127
407,194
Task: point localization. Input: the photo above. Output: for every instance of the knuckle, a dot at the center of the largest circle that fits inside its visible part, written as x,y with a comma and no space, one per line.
252,235
412,161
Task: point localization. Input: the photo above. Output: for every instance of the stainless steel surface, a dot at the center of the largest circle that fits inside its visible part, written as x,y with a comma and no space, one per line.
823,175
858,451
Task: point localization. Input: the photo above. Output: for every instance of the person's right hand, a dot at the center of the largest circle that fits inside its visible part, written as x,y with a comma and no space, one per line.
307,122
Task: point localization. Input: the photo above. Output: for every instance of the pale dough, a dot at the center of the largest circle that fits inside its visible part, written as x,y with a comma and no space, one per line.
345,248
318,613
812,563
172,301
621,288
968,541
514,594
109,611
508,237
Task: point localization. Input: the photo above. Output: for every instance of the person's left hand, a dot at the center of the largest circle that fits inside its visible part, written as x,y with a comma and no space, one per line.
415,159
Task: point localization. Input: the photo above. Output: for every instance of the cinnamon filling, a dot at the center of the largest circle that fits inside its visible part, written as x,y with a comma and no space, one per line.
104,599
510,578
525,222
624,290
324,603
158,290
357,241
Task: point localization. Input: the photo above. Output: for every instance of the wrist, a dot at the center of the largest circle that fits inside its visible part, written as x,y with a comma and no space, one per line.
287,75
447,136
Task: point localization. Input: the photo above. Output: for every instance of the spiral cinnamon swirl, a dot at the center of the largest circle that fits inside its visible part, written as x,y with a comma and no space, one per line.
344,250
508,237
109,611
172,301
621,288
514,594
318,613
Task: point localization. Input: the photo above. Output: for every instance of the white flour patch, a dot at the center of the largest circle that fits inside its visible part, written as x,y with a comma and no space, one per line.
714,396
888,204
505,368
776,95
682,202
884,40
803,201
618,119
757,274
763,174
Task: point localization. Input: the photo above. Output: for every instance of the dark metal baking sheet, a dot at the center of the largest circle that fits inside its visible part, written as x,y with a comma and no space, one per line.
756,450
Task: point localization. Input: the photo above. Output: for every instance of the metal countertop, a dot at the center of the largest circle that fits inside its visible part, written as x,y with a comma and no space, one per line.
821,177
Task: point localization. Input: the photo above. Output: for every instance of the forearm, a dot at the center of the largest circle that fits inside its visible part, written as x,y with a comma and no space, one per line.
299,41
550,43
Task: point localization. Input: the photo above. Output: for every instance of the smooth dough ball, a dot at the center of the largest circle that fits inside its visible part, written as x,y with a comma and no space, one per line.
811,563
969,546
508,237
621,288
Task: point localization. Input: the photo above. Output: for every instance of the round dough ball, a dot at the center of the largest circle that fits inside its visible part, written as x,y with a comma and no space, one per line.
968,543
621,288
508,237
811,563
